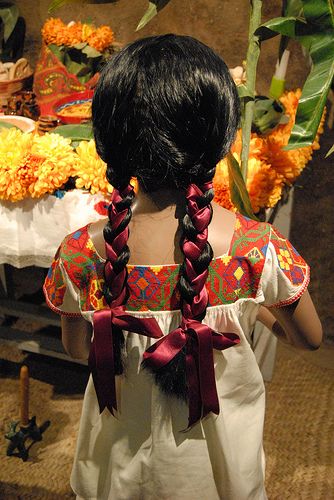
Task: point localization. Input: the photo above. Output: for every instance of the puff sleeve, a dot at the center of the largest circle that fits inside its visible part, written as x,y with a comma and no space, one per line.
285,275
60,293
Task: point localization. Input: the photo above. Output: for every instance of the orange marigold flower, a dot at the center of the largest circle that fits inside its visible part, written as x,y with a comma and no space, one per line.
57,32
264,185
101,39
51,29
221,186
289,164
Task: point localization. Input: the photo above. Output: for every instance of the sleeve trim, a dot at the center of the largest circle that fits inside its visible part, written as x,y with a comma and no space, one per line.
56,309
297,295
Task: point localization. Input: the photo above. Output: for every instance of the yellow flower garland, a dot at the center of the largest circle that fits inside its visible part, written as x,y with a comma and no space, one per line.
32,165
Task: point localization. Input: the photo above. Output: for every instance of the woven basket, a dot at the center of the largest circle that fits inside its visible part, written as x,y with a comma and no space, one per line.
9,87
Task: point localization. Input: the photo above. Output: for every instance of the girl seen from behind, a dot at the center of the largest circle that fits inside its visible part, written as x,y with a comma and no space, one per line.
164,294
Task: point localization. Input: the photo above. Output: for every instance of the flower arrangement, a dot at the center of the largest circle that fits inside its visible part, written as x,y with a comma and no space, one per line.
80,47
32,165
270,167
55,31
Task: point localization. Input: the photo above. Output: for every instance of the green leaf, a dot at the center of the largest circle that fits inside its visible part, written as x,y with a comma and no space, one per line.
291,8
331,151
153,8
80,45
73,65
58,51
288,26
76,133
312,101
91,52
9,14
267,114
316,34
239,193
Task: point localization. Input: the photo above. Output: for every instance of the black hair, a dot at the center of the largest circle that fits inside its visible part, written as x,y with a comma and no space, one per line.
165,110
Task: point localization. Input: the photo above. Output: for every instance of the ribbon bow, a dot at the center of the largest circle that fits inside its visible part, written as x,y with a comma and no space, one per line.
199,340
101,356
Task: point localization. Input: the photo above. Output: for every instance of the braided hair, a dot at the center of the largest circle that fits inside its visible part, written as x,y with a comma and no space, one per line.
165,111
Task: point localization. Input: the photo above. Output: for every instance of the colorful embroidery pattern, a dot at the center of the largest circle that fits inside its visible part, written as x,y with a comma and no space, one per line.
290,262
231,277
54,283
237,275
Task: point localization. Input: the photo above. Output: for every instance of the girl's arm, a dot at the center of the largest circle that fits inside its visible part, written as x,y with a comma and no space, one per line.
297,324
76,336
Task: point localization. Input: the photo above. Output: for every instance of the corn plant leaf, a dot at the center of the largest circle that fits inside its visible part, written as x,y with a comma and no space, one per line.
239,193
244,93
9,14
290,8
331,151
316,33
152,10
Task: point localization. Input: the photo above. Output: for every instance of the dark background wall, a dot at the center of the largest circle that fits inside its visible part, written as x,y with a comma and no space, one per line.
222,24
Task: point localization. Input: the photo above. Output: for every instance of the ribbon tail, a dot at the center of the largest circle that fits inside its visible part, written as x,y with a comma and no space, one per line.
207,380
194,395
224,340
103,361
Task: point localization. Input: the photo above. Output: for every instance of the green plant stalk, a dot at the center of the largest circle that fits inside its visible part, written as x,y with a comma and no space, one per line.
253,53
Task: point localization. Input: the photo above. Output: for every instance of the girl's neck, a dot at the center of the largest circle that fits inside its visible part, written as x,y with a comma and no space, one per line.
160,203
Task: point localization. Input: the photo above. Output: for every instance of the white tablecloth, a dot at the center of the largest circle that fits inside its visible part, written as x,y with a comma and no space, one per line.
31,230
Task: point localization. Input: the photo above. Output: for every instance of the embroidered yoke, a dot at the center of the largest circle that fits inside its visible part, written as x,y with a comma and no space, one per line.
142,453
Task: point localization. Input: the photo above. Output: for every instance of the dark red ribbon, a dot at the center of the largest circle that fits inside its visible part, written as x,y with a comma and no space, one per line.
199,341
101,356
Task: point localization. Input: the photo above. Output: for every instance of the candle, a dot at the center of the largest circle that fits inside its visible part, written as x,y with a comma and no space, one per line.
24,396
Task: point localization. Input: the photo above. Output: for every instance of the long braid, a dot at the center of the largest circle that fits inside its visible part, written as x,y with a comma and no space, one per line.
116,234
198,253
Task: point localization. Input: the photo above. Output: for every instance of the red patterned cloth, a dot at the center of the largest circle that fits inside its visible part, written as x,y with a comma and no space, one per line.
52,81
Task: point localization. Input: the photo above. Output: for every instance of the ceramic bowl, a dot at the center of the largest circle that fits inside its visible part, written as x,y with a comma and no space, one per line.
72,99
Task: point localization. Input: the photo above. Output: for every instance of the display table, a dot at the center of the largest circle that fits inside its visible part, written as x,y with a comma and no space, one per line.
30,233
31,230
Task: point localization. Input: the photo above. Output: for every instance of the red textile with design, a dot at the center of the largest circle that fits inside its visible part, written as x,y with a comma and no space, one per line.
52,81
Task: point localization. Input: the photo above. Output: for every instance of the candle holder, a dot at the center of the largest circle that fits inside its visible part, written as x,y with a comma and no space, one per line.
17,446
